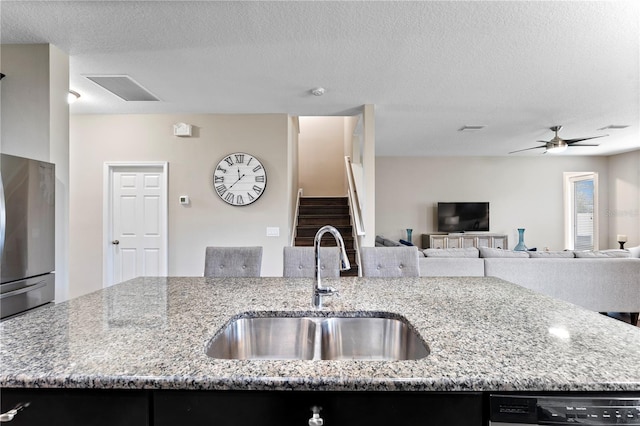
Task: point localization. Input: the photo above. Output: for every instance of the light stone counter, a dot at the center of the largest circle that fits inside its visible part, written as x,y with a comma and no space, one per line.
483,333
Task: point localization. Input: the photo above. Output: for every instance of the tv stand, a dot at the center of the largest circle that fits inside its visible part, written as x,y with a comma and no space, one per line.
465,239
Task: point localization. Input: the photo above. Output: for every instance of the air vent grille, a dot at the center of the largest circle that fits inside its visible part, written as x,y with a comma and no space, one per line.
471,128
124,87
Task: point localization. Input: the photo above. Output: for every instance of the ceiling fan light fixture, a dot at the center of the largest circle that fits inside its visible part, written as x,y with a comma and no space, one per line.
558,148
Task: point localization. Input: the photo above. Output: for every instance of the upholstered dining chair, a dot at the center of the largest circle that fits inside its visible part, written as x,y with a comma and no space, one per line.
301,262
233,261
390,261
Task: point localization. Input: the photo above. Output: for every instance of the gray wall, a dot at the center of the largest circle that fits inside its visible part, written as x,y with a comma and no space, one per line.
523,192
624,198
208,220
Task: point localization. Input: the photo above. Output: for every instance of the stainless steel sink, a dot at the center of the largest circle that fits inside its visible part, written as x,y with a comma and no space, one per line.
265,338
318,338
385,339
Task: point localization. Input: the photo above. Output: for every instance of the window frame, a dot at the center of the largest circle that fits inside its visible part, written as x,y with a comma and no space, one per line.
570,178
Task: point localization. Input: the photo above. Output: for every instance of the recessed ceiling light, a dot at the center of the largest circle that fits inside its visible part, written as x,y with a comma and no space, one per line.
473,128
614,127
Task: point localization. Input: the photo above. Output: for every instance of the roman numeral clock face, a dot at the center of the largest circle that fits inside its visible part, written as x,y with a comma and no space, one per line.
239,179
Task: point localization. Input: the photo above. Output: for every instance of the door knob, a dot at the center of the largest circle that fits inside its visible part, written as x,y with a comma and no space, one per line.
115,242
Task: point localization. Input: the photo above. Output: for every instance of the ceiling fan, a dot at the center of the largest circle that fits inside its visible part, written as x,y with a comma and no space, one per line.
557,144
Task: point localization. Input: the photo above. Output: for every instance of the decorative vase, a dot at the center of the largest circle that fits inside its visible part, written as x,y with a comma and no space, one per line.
409,231
520,246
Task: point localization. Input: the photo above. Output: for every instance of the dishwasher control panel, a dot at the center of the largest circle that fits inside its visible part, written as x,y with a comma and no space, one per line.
564,410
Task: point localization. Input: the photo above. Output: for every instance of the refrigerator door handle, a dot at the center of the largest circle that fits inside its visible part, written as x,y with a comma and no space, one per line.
29,287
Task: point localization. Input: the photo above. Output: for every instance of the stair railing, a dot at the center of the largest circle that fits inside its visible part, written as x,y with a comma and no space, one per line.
294,223
355,209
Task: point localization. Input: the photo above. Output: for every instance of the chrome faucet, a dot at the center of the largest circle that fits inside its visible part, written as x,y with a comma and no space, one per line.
318,291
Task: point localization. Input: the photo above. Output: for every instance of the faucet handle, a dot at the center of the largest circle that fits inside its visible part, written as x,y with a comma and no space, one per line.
327,291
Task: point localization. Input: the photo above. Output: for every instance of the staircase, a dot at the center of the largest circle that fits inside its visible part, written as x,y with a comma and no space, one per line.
316,212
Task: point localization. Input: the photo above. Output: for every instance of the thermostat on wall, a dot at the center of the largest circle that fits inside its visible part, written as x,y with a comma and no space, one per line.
182,129
184,199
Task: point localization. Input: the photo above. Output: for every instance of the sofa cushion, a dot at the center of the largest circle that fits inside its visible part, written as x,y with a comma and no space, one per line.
386,242
451,267
495,252
634,251
551,254
602,253
452,252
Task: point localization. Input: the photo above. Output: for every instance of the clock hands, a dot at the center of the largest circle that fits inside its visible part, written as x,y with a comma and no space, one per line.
237,180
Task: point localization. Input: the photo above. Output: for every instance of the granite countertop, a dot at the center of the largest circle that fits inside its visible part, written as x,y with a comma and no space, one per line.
483,333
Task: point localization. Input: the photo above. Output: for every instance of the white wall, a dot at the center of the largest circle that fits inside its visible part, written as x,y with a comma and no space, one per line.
292,181
208,220
524,192
25,100
624,198
321,151
35,124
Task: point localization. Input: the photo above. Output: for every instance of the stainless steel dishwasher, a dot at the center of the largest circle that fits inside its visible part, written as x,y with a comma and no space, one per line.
604,409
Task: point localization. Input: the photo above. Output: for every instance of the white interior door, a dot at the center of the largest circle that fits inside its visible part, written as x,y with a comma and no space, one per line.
136,228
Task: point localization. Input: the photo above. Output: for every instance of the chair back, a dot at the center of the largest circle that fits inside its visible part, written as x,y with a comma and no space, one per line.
233,261
390,261
301,262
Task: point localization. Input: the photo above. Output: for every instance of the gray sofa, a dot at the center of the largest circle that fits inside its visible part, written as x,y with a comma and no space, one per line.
601,285
601,281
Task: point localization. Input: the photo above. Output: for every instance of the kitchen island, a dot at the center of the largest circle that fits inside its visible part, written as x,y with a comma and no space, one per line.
484,334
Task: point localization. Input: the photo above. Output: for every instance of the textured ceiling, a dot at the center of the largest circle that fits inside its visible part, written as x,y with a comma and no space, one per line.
428,67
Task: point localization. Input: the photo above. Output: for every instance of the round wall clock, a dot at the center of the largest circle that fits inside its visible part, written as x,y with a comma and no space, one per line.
239,179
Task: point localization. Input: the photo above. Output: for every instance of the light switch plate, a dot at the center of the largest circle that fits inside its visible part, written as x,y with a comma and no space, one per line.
273,231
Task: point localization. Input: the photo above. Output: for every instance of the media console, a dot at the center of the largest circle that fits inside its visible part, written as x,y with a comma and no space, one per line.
467,239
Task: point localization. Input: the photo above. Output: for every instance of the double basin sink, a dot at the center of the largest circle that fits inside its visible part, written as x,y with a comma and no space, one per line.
381,337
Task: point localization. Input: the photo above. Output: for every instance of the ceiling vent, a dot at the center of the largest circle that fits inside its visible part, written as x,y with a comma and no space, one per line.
614,127
123,86
471,128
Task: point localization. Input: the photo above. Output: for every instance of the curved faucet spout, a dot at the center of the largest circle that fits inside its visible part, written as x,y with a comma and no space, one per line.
318,290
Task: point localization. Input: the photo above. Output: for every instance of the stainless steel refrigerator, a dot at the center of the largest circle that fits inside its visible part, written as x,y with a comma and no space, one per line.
27,234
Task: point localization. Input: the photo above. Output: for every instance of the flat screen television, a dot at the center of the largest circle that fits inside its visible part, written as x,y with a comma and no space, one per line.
463,217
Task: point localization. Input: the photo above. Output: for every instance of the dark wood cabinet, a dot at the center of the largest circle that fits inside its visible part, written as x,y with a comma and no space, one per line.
80,407
70,407
337,408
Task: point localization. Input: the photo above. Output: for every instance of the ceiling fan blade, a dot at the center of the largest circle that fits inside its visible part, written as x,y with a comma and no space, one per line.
527,149
586,144
570,141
